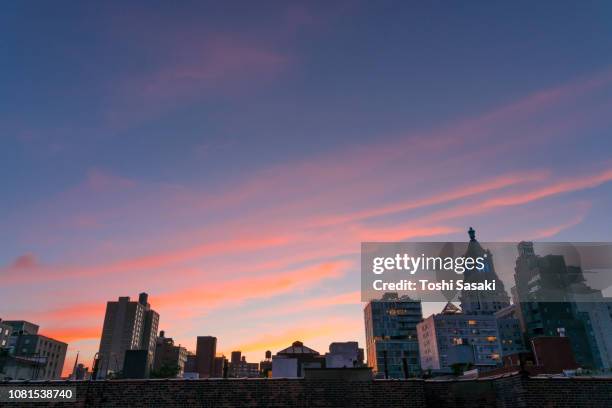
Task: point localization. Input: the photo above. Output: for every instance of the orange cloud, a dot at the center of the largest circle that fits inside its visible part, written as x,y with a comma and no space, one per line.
71,334
251,287
349,298
72,312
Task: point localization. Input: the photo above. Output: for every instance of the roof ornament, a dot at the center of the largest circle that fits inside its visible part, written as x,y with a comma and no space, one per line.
472,234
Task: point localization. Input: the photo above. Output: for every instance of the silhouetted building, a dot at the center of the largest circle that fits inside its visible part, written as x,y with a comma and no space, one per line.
219,365
244,369
169,355
80,372
240,368
31,355
452,337
127,326
344,355
206,349
540,279
191,366
136,364
391,336
291,362
265,366
236,356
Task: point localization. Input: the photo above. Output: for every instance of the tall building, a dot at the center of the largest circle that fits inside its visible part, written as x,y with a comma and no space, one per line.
235,358
475,302
32,356
169,355
452,337
391,335
596,313
206,350
510,333
127,326
537,279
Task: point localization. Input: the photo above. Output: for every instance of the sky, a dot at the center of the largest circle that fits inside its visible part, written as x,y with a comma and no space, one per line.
228,158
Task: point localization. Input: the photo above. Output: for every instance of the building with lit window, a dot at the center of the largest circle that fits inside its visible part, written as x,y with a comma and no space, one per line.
578,312
510,334
391,336
452,337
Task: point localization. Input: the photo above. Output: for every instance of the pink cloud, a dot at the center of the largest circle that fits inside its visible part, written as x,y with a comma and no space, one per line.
26,261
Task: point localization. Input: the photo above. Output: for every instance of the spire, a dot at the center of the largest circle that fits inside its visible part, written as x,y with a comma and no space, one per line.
472,234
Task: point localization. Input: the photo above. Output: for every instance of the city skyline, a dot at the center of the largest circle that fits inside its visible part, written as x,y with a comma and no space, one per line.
230,164
487,323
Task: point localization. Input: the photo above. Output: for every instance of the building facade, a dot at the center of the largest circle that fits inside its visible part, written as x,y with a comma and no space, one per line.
293,360
32,355
452,337
206,350
220,367
510,334
169,355
127,325
476,302
391,336
191,366
5,333
540,279
344,355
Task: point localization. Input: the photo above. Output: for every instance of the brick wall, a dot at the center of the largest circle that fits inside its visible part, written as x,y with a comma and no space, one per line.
510,391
